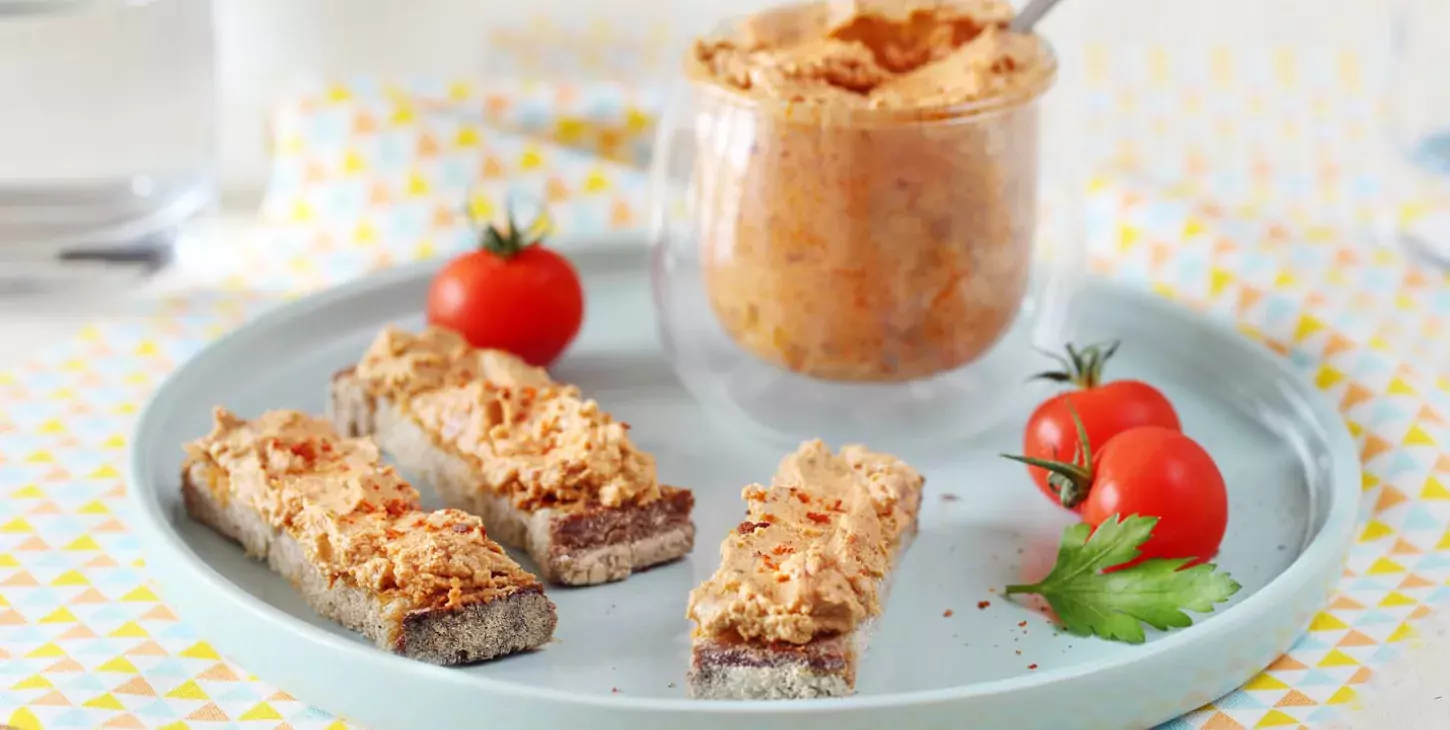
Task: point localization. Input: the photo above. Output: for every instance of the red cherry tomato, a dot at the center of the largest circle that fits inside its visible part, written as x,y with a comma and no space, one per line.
512,295
1106,410
1159,472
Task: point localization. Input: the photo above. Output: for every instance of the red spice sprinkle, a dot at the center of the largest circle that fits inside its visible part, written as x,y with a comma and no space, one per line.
769,518
818,518
1019,652
1031,666
983,604
614,690
836,507
802,496
947,613
781,578
1020,624
747,527
782,550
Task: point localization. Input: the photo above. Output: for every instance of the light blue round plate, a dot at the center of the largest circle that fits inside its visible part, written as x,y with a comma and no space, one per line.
622,649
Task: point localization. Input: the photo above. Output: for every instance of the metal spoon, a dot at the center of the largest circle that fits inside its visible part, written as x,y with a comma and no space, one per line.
1029,16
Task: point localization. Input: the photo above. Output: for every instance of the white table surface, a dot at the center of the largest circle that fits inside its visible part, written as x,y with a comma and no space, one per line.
1411,694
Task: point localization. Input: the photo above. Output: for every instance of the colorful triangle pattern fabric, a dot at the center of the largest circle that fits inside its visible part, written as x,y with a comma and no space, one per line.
369,176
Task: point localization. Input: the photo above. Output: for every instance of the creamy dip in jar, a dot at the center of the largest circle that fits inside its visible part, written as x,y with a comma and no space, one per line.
867,183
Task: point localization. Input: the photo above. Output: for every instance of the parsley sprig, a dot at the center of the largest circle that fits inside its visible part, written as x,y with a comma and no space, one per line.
1115,605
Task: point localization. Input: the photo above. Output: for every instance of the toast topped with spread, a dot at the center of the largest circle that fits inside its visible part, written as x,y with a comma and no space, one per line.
801,581
546,469
347,531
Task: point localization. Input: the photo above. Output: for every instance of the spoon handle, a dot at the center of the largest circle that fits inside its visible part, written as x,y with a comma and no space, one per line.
1029,16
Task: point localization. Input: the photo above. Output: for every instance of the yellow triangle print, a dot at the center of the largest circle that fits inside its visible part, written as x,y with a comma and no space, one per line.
1402,632
45,651
467,137
70,578
1416,436
1218,281
188,690
16,525
53,426
1395,598
106,701
119,664
1434,490
115,442
1328,377
1384,566
1275,718
1192,227
200,650
23,719
106,471
94,507
1308,325
1375,530
130,630
40,457
417,185
531,159
1337,658
1265,682
29,491
1341,696
59,616
1327,622
261,711
140,593
175,726
34,681
84,542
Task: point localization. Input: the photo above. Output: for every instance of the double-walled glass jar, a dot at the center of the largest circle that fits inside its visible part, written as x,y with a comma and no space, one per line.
847,265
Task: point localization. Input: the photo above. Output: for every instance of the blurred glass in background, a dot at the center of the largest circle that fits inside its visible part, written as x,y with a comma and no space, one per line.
106,136
1419,128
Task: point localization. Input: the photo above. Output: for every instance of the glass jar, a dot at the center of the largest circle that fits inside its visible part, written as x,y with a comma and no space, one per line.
849,272
107,134
1419,119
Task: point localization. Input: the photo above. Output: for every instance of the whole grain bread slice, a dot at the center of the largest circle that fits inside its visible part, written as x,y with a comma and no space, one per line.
519,621
583,545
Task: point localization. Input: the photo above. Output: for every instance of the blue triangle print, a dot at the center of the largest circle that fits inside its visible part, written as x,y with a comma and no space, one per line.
159,708
74,717
24,635
1317,678
1326,712
1401,463
49,559
1375,617
125,542
85,681
178,630
109,612
1385,653
1385,410
1239,701
99,646
1370,584
1439,594
168,668
41,597
1175,724
1434,561
1419,518
240,693
1308,642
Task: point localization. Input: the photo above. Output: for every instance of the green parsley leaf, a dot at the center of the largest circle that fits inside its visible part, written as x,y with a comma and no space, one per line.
1115,605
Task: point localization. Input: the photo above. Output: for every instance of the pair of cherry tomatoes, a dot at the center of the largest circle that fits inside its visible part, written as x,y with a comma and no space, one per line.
1116,448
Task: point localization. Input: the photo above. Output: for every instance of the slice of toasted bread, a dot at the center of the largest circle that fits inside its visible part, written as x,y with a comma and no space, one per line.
585,544
517,619
803,579
730,668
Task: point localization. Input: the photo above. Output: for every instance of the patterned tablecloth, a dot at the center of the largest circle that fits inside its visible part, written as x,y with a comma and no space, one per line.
1227,181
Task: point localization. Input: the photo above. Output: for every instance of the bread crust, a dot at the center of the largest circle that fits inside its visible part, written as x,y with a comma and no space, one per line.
518,621
730,668
585,545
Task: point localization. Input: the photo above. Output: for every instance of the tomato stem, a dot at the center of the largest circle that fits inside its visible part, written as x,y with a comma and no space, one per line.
1082,368
1070,481
507,244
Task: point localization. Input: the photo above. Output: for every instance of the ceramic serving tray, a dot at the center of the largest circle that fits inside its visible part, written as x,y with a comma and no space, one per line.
950,651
